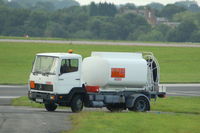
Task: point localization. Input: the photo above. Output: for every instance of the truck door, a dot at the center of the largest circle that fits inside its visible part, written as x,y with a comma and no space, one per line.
69,75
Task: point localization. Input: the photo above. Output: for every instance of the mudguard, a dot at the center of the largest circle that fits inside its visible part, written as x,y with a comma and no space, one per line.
131,99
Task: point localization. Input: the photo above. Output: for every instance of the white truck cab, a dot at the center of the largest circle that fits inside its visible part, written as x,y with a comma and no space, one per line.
56,73
56,79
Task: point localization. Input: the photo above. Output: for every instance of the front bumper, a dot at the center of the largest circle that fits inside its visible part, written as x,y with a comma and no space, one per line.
47,98
42,97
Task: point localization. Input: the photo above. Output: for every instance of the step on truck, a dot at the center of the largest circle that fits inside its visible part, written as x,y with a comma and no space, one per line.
115,80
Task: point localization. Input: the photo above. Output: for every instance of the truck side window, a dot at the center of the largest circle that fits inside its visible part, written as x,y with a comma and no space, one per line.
69,65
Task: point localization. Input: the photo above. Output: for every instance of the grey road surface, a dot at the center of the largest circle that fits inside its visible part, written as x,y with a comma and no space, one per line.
31,120
183,89
8,92
103,43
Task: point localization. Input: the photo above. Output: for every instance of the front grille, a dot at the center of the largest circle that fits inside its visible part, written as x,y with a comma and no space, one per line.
43,87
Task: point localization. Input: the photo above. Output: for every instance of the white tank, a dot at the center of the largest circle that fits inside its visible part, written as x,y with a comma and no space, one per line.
113,70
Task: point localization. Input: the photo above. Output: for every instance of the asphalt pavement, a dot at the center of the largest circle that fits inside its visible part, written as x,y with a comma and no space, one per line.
183,89
72,42
33,120
8,92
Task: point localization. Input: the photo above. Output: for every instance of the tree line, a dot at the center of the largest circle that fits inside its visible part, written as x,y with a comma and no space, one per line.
99,21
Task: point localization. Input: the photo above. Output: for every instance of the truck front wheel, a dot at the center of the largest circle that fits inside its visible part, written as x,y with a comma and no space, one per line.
141,104
50,107
77,104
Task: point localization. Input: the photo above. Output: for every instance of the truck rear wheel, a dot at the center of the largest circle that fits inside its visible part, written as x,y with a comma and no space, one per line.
77,104
141,104
50,107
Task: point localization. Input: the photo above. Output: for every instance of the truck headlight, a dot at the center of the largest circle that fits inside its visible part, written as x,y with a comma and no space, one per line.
32,84
52,97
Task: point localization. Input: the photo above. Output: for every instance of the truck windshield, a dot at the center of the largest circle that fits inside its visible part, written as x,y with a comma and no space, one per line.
45,65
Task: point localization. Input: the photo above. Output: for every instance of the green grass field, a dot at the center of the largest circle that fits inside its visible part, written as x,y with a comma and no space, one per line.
24,101
177,64
131,122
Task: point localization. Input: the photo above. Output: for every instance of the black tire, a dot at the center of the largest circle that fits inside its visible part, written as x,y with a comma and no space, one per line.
141,104
115,108
77,104
50,107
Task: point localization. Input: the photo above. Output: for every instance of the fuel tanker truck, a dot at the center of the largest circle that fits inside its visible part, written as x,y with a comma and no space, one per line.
115,80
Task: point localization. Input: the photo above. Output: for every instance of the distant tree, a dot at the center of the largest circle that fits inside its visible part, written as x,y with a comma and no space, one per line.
95,26
157,6
14,4
164,29
46,6
58,4
188,5
55,30
171,35
25,3
129,6
93,9
83,34
153,35
102,9
169,10
1,2
188,15
36,23
3,16
183,32
108,31
128,24
195,37
139,31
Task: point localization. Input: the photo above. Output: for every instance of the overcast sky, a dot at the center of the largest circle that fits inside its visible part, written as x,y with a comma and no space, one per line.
136,2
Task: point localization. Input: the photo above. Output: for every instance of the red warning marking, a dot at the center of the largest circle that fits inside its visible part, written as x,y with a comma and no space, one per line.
118,72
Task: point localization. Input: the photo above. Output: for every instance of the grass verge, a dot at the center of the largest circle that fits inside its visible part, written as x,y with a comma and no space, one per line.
177,105
131,122
177,64
24,101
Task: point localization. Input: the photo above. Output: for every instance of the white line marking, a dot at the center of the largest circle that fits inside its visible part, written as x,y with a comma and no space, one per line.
8,97
181,85
12,86
186,92
183,94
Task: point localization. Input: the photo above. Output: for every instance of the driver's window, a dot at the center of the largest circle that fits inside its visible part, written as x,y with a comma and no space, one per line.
69,65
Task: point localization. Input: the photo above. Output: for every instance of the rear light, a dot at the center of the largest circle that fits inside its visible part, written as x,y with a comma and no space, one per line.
32,84
92,88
